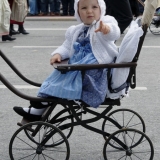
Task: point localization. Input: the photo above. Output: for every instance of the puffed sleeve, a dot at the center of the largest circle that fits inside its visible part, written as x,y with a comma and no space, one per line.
65,48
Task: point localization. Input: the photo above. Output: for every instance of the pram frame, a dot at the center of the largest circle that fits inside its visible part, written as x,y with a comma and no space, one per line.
71,108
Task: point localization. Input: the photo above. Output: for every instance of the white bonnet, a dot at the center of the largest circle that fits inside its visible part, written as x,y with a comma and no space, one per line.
101,4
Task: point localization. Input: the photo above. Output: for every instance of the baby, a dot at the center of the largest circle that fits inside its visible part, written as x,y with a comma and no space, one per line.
90,42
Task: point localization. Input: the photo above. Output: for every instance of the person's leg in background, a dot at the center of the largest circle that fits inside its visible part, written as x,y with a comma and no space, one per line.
121,11
39,6
33,8
57,7
65,4
21,29
12,30
71,7
5,14
44,4
52,7
48,7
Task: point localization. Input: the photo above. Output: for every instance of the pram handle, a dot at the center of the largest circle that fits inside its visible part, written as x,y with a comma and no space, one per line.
24,96
82,67
17,71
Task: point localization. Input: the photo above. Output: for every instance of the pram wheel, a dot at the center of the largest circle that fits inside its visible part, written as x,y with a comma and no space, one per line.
59,116
155,27
42,145
126,148
126,118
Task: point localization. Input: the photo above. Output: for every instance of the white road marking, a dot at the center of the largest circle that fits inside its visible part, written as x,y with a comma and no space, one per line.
140,88
46,29
35,47
150,46
20,87
58,46
33,87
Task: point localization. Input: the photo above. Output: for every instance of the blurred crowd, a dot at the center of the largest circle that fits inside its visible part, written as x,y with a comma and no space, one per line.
66,7
51,7
14,12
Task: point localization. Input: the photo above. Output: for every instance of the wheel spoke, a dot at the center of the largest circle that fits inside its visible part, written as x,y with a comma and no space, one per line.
54,150
123,117
130,120
110,125
34,157
25,142
48,156
138,157
134,125
115,150
142,152
133,138
23,149
28,156
114,118
44,156
121,157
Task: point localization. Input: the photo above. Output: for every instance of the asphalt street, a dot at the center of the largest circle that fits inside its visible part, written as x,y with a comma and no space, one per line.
31,55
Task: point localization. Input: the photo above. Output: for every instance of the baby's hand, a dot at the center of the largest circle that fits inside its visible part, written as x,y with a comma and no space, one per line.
103,28
55,58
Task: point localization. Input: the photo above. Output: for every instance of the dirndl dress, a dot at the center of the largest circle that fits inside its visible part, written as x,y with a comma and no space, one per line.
91,89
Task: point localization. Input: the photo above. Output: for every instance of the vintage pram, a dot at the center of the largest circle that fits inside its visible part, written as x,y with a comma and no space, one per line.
123,129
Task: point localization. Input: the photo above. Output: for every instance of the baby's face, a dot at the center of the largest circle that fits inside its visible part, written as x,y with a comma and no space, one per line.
89,11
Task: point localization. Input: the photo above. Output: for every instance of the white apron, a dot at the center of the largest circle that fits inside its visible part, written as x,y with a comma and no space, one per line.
4,17
19,10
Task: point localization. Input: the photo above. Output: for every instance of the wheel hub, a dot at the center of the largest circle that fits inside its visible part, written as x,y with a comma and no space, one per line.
39,150
129,152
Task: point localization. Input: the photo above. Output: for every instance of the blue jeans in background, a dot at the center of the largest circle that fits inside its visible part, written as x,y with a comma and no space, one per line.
50,5
33,7
56,6
68,7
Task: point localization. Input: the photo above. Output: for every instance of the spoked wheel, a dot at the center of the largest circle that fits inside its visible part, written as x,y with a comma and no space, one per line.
126,148
42,146
59,116
126,118
155,27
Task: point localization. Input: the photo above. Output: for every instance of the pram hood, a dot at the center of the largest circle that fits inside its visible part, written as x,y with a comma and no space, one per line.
101,4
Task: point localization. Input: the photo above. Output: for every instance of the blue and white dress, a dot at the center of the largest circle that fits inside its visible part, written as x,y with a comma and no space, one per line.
91,89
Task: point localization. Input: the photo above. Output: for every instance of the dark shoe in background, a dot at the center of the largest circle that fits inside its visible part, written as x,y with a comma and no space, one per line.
64,14
22,30
71,14
42,14
57,14
12,31
52,14
7,38
29,14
